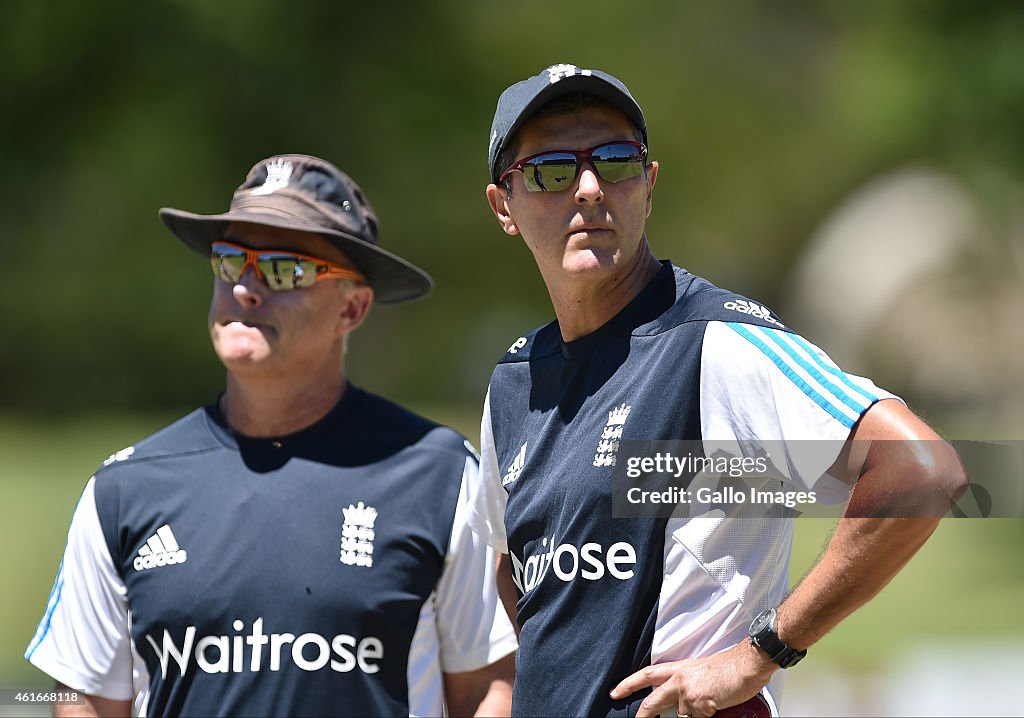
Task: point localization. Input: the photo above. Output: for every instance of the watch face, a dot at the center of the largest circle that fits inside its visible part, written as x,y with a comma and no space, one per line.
763,621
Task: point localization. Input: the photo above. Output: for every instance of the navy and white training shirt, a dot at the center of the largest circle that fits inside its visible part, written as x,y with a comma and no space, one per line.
602,597
329,572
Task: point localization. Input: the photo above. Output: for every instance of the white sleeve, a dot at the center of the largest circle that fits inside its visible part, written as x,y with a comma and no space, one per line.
83,640
486,497
473,627
767,385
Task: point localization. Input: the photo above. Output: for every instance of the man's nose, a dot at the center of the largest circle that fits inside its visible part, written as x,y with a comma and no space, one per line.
589,187
248,290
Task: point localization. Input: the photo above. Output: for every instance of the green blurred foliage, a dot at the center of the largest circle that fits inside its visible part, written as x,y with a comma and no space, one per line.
763,116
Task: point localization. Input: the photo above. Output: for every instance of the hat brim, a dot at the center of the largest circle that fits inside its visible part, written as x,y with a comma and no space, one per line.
393,279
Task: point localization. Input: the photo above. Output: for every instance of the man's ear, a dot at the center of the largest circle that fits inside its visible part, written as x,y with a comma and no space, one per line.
357,306
497,198
652,177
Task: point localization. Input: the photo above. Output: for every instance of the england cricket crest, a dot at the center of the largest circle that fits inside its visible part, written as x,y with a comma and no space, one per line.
357,535
278,173
608,444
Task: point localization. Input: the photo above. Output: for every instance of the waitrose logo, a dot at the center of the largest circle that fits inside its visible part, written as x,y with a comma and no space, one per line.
257,651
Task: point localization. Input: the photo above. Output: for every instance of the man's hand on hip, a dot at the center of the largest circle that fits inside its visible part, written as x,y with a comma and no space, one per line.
702,686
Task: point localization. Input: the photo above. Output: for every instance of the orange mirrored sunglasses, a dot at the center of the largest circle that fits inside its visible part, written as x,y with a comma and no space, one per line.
280,269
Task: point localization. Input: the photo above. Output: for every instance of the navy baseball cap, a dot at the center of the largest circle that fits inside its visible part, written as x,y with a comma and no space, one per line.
518,102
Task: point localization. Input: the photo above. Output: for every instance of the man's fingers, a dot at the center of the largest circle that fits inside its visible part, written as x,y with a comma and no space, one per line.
662,700
649,676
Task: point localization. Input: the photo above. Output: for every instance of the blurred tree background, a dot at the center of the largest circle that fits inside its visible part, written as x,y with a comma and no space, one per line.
762,116
765,118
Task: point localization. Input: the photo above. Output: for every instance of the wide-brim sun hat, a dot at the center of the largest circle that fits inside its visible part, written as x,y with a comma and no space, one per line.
308,194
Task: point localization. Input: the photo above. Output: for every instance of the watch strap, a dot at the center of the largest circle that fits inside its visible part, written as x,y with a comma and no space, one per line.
778,650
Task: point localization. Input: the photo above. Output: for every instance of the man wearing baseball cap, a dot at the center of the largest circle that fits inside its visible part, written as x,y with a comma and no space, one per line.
299,546
686,612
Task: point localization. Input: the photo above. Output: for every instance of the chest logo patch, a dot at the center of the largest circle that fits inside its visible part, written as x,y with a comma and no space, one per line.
357,535
160,549
516,467
608,444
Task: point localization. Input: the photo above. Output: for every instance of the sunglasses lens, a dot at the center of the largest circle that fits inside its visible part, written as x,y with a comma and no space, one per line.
556,171
618,161
284,272
280,270
552,172
227,262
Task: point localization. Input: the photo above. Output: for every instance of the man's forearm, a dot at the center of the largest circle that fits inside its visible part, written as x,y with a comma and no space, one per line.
498,700
862,556
91,707
507,589
483,692
908,477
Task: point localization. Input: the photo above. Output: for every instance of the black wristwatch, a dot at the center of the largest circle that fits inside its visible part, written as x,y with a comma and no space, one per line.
762,634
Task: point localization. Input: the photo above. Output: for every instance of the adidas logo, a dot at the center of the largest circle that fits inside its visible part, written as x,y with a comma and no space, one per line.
160,550
754,310
122,455
516,467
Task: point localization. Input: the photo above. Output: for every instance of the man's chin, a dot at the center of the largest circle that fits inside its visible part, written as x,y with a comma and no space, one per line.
242,355
592,262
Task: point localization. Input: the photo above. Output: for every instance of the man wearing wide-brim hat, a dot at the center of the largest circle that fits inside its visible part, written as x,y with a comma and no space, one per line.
299,546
